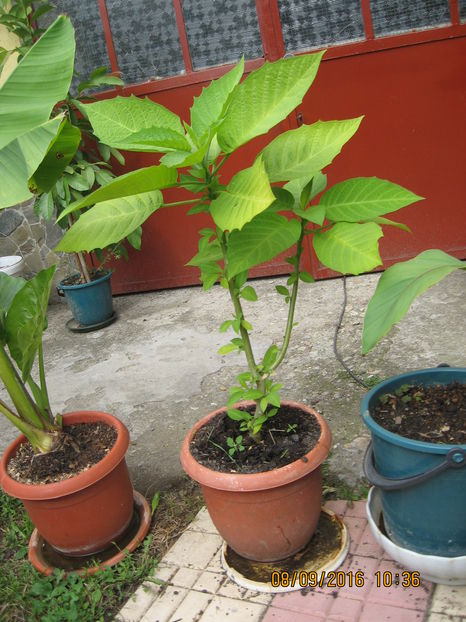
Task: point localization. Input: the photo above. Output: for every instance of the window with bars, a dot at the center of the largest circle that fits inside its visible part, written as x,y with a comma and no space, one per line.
149,36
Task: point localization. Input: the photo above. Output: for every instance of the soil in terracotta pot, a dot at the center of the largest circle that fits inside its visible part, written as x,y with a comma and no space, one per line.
434,414
284,438
85,444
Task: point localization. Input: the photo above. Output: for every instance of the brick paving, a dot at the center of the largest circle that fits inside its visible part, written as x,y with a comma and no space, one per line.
194,588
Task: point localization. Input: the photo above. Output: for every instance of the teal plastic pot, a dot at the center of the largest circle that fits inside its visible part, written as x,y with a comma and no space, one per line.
423,485
90,303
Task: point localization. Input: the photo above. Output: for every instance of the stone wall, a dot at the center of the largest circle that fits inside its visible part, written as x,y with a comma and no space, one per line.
24,233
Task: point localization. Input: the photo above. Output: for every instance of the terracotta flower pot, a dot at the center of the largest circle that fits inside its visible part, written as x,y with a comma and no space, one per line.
81,515
264,516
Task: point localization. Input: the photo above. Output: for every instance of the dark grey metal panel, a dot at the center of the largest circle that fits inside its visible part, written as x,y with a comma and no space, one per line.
396,16
220,31
310,24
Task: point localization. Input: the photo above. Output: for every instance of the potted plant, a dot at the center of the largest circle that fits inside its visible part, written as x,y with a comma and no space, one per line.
83,166
263,210
78,509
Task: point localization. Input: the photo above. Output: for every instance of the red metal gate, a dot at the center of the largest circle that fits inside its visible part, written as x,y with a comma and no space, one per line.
410,85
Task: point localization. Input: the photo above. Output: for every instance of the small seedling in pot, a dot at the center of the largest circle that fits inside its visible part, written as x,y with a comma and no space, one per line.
235,445
291,429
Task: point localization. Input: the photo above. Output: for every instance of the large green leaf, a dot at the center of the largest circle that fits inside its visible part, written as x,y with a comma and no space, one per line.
9,287
135,182
20,158
260,240
308,149
109,222
362,198
208,109
40,80
26,319
349,248
265,98
248,194
58,156
136,125
398,287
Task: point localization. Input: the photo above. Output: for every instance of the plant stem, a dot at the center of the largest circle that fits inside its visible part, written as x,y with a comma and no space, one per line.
43,383
40,439
79,258
19,395
293,297
190,202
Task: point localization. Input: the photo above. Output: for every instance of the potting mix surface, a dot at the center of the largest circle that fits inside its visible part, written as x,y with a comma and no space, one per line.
367,587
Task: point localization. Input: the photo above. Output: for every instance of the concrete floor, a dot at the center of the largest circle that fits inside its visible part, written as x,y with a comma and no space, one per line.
158,370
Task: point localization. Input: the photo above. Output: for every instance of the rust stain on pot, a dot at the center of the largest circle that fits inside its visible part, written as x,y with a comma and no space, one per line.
323,547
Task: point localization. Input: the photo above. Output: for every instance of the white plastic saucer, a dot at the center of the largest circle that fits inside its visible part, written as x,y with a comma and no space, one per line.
444,570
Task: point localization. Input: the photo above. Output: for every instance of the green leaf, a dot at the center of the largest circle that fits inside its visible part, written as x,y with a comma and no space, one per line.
229,347
349,248
9,287
305,277
59,154
398,287
297,186
248,194
238,415
308,149
209,108
380,220
26,320
315,214
155,503
260,240
208,252
179,159
109,222
20,158
40,80
270,357
225,326
134,183
44,206
363,198
248,293
282,290
135,238
265,98
136,125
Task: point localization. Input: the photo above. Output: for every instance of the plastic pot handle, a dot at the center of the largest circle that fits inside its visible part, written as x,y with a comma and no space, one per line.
454,459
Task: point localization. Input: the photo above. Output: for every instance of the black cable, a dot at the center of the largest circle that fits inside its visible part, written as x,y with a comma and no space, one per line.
335,338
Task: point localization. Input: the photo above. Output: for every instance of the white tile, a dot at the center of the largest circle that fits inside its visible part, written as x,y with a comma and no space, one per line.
209,581
257,597
215,563
231,589
163,606
185,577
203,523
192,607
139,603
163,572
450,600
440,617
222,608
193,550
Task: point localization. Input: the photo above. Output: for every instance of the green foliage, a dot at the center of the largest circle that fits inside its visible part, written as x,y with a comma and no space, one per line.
398,286
26,595
235,445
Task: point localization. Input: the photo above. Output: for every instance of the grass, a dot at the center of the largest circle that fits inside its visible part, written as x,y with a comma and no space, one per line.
27,596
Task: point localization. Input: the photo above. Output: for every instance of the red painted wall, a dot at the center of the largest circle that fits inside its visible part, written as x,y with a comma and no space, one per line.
414,133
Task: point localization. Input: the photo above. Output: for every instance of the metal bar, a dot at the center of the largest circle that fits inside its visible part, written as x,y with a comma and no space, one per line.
108,37
270,29
367,19
183,36
454,12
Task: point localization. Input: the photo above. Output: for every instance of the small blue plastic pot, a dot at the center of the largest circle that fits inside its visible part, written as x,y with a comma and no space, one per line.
423,484
91,303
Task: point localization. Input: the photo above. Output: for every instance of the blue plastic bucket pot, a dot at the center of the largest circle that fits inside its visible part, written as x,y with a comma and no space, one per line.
423,484
91,303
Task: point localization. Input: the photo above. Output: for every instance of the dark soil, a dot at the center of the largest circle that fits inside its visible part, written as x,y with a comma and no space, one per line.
77,279
436,413
84,444
277,446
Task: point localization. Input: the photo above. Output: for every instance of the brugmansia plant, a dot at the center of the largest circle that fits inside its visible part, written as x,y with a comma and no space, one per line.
263,210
